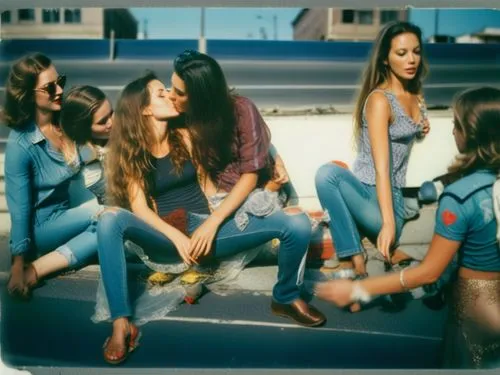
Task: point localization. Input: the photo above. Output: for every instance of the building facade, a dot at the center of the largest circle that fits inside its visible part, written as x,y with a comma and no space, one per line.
487,35
67,23
342,24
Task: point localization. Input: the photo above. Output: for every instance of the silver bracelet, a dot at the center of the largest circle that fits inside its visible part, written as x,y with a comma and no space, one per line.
359,294
402,280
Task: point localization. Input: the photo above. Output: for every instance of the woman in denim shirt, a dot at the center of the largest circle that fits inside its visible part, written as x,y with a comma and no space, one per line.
388,117
39,165
465,225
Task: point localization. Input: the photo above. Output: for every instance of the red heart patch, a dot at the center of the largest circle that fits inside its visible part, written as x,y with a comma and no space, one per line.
448,217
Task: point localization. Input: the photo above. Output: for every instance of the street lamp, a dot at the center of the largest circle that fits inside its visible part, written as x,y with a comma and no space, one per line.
202,42
275,26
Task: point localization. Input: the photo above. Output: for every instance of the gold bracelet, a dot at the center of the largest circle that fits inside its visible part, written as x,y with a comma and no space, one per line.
402,280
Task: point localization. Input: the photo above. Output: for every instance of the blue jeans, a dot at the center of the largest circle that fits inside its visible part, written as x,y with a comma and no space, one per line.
293,231
353,208
71,232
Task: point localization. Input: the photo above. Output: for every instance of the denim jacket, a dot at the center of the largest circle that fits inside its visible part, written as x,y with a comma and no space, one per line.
36,175
466,214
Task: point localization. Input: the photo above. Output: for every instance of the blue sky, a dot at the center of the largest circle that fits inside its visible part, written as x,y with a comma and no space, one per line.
246,23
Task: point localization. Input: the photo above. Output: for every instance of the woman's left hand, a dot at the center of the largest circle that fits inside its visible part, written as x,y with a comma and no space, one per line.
426,127
336,291
203,237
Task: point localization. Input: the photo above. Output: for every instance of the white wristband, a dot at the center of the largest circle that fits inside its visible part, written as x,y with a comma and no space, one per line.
359,294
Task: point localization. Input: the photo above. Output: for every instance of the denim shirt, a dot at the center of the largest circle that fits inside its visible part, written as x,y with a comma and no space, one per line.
36,177
465,214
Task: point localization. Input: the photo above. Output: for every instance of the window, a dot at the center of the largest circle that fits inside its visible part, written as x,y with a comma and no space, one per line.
365,17
388,16
72,15
348,16
51,15
6,17
26,14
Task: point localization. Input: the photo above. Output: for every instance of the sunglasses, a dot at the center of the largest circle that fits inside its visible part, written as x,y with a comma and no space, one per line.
184,57
51,87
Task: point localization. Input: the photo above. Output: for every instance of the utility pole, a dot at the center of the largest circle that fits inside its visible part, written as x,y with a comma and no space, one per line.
262,29
202,42
275,26
436,24
145,29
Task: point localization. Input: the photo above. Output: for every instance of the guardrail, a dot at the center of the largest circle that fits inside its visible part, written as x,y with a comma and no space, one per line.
124,49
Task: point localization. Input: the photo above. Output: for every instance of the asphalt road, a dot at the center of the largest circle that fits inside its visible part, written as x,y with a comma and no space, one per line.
236,331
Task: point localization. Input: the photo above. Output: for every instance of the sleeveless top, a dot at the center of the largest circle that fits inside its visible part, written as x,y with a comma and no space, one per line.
173,191
402,133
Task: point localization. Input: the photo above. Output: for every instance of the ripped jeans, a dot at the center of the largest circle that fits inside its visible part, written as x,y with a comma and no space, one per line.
353,208
69,231
117,225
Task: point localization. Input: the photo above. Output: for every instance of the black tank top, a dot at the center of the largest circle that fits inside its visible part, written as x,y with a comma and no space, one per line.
172,191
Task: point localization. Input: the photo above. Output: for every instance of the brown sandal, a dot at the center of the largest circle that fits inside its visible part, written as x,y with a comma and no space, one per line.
131,343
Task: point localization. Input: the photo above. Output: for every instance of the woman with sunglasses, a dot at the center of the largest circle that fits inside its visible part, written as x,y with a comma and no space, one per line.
39,165
231,149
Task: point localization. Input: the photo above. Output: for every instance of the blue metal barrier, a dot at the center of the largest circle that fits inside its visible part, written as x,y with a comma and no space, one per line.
152,49
288,50
55,48
237,50
462,53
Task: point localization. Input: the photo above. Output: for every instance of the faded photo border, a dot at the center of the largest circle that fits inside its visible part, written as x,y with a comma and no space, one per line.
16,4
254,3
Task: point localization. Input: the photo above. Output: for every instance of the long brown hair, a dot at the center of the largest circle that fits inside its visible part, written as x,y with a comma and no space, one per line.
477,119
78,110
19,107
210,116
377,72
129,159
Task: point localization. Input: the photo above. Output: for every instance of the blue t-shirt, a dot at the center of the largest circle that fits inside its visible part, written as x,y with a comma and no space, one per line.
465,214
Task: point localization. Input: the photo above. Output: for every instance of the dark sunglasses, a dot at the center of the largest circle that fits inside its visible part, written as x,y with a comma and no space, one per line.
51,87
184,57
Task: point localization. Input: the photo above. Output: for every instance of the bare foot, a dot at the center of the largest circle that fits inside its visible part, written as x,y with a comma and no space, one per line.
358,261
16,285
122,341
355,307
30,276
399,256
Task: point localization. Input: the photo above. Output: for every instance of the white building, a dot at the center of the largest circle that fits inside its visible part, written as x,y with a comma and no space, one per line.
487,35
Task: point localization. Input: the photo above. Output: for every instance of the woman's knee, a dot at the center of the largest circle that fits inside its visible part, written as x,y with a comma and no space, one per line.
109,216
298,221
331,172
